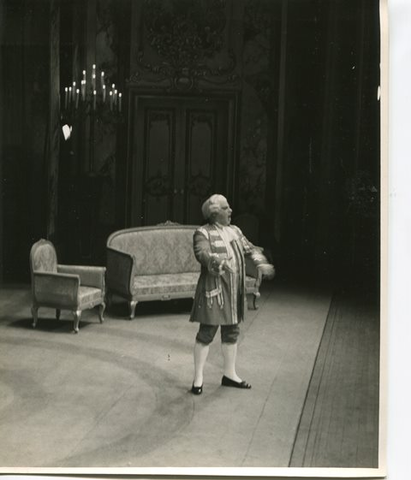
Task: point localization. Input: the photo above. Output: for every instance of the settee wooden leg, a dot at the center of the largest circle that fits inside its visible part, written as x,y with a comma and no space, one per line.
256,296
34,313
58,312
133,304
101,309
77,316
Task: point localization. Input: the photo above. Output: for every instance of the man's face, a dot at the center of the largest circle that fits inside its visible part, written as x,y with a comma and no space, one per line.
223,217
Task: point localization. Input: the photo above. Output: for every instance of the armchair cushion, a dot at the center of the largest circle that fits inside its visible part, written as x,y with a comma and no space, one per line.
90,295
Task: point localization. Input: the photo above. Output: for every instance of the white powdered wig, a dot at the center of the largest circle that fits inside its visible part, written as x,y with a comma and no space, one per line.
212,205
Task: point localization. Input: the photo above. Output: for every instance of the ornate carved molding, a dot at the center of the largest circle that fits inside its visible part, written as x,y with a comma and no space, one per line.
199,185
199,119
168,223
158,185
258,25
182,46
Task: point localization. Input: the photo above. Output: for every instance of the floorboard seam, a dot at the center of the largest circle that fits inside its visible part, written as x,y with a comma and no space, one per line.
308,392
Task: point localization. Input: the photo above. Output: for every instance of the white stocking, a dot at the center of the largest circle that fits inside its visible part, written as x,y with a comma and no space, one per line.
200,357
230,355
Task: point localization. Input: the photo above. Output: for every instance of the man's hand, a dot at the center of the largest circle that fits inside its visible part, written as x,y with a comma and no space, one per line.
225,267
218,265
267,270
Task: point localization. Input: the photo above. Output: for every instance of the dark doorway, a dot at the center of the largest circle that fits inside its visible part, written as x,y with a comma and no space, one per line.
181,151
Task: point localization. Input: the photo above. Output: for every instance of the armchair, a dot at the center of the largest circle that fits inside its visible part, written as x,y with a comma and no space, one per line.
64,287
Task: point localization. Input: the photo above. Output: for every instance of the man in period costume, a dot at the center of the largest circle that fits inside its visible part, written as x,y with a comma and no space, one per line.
220,295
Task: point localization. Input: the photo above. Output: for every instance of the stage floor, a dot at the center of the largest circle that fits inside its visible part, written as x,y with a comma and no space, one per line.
117,394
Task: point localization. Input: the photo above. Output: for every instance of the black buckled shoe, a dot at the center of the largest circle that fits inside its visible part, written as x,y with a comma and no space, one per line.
196,390
227,382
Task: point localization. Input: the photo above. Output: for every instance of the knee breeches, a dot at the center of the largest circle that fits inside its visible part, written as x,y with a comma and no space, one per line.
229,333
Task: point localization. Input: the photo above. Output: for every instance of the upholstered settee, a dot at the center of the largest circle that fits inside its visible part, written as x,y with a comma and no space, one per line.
158,263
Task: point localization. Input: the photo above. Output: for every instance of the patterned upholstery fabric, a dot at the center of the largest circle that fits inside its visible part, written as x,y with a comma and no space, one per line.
45,259
166,283
159,251
90,295
171,283
249,282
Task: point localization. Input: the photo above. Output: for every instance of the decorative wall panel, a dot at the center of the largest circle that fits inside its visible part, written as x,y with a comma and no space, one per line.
257,95
184,45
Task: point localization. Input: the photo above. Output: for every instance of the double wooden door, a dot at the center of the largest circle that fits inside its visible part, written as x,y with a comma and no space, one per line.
182,151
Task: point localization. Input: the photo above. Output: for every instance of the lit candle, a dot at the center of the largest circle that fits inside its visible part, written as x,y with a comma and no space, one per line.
111,100
70,95
119,101
83,90
84,74
93,81
65,97
74,91
77,97
115,98
104,93
94,99
102,80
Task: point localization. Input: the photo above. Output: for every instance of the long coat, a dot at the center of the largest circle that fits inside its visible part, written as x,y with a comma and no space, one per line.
221,299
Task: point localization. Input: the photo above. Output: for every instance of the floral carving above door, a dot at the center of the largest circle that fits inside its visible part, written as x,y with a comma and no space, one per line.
185,37
158,185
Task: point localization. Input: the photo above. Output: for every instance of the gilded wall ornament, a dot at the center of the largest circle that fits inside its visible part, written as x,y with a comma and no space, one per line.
181,42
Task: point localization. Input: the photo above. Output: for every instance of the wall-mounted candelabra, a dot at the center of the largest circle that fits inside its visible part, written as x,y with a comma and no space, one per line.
93,95
95,99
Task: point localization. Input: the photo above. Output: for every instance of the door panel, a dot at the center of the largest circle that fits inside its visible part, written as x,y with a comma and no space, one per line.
181,152
201,146
206,166
158,166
